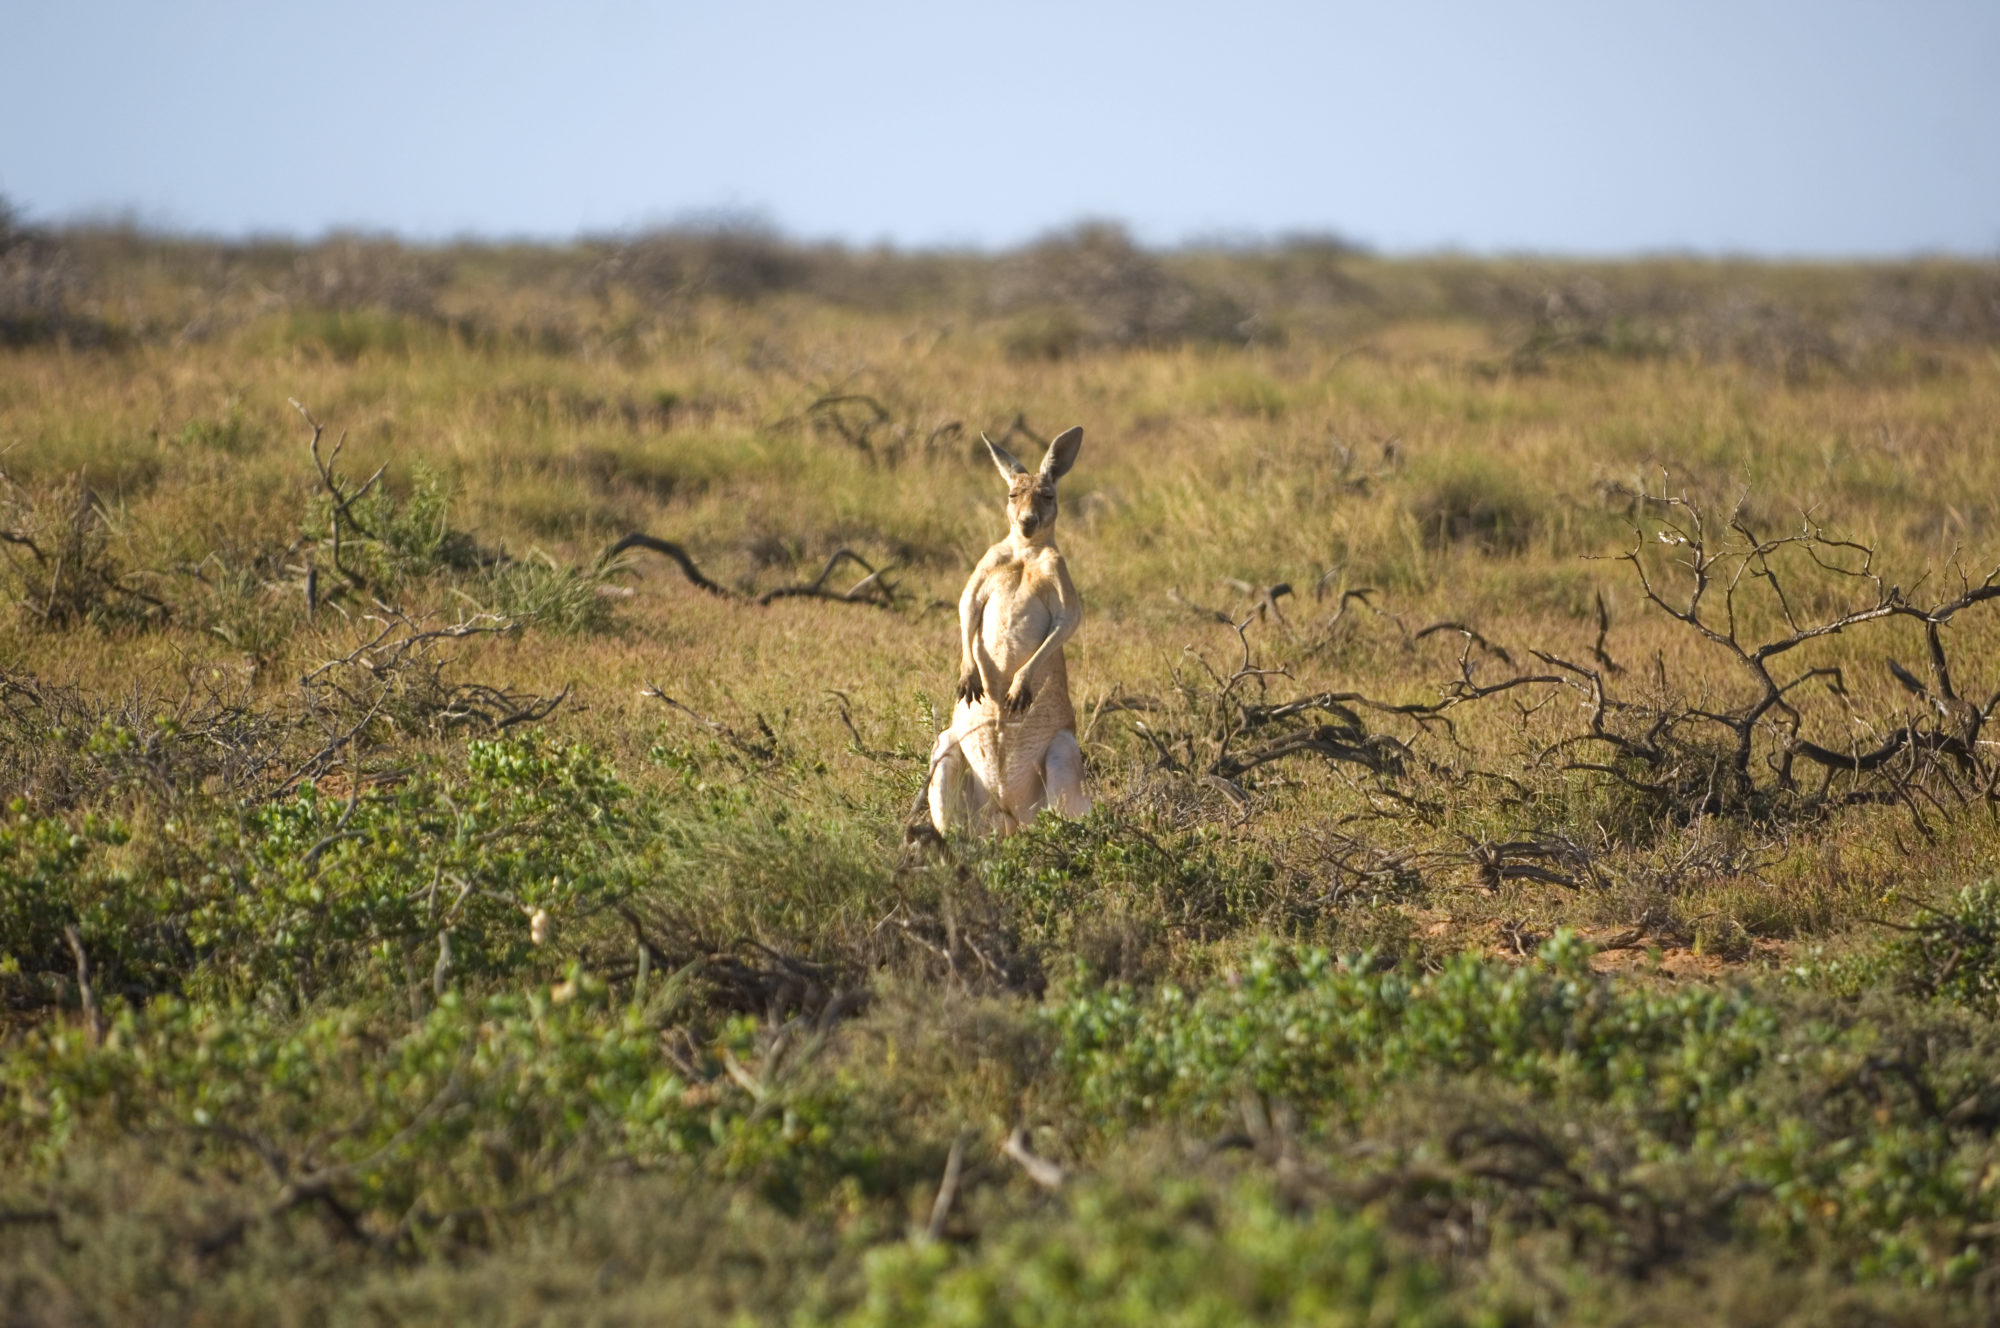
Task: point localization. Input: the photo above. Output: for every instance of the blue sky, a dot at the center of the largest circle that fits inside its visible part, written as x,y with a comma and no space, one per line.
1783,129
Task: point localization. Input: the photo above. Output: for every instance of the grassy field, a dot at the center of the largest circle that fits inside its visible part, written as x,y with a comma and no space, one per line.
1545,851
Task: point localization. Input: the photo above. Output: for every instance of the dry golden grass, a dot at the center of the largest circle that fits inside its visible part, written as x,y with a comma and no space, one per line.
1400,461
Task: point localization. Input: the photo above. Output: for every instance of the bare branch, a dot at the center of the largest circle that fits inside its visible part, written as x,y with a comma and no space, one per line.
1040,1170
764,751
954,1167
638,540
873,588
85,995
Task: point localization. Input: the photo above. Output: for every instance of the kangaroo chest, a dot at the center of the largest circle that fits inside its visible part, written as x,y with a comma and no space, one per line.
1019,611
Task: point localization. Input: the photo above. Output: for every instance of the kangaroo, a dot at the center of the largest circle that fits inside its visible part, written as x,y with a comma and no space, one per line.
1011,748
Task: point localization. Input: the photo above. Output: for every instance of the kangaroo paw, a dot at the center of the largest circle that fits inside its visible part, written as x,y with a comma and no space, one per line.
970,687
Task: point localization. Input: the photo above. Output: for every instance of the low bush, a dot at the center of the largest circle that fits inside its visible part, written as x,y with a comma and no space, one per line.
1179,1253
302,897
396,538
1110,887
1949,953
1825,1131
400,1128
59,564
41,285
540,592
1307,1028
1475,500
1092,286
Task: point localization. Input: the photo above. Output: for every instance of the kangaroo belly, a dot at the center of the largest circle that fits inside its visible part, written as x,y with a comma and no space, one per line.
1013,627
1008,753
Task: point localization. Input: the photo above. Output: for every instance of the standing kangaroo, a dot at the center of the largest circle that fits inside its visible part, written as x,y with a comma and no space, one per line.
1011,748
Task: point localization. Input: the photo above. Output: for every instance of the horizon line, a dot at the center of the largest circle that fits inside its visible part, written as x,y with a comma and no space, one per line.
760,225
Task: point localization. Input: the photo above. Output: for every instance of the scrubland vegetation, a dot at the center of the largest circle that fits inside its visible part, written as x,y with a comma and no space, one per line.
1545,861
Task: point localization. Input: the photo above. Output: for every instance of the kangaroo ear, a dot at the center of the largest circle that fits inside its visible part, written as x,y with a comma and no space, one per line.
1062,453
1004,459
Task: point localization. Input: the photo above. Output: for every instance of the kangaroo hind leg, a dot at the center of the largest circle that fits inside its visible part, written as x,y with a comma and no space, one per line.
1062,777
956,798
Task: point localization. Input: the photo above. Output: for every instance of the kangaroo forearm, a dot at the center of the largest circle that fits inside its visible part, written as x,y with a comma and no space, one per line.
991,679
1030,671
965,655
970,609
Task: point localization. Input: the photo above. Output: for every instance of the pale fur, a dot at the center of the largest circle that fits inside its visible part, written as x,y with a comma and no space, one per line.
1011,749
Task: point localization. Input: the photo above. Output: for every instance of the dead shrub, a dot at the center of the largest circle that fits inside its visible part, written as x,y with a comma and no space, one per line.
350,273
59,566
732,259
59,747
1092,286
40,287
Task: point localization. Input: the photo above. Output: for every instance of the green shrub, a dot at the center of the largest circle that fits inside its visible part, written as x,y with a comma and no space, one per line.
1953,953
62,561
1812,1132
480,1102
1175,1254
1470,498
538,591
228,433
1302,1027
397,539
53,880
392,541
1067,880
304,895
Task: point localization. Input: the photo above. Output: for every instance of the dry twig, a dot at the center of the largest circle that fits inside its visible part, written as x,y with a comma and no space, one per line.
954,1168
1040,1170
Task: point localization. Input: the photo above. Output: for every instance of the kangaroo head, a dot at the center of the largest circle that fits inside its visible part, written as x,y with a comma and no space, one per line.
1031,494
